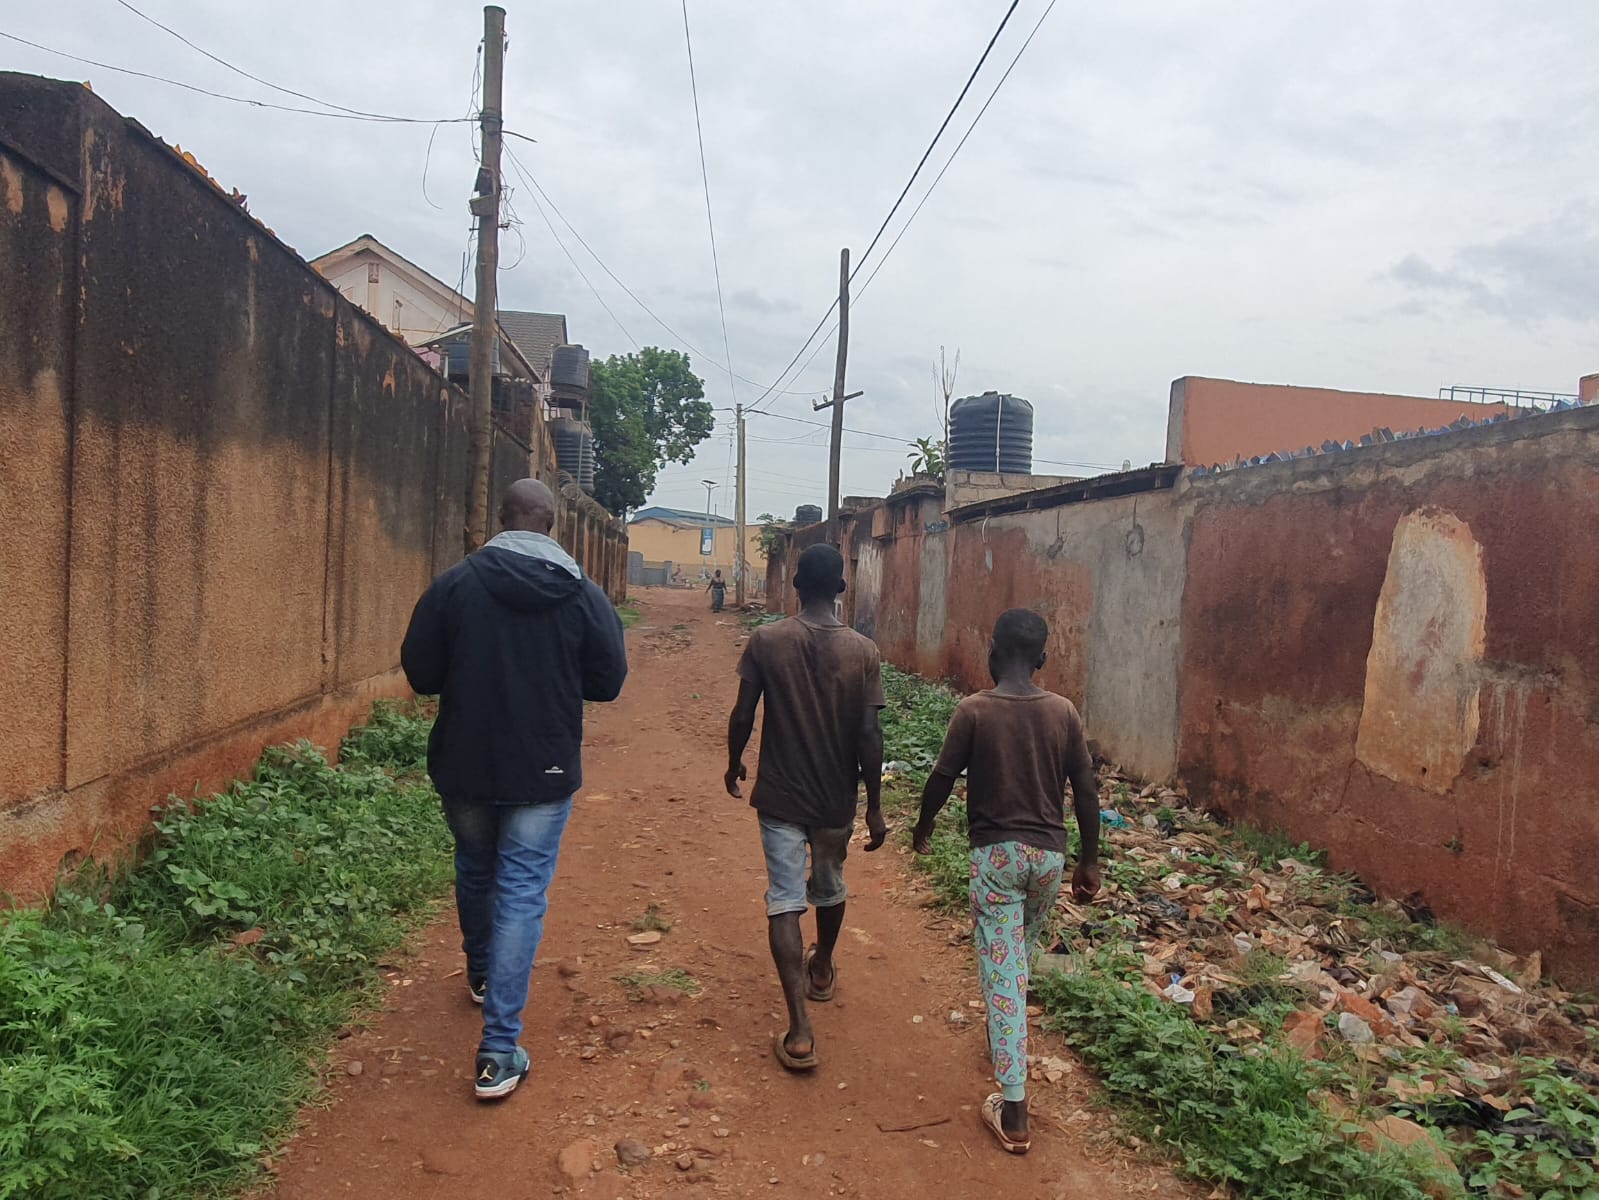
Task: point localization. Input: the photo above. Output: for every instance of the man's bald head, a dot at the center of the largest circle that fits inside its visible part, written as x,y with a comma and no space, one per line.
528,505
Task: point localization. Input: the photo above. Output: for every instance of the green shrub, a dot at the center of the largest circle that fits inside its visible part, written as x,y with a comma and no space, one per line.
144,1053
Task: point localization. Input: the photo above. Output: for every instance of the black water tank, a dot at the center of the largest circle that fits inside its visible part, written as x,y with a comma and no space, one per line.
569,367
574,450
991,432
807,514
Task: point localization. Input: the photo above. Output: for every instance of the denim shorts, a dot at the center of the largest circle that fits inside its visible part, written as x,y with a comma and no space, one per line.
785,845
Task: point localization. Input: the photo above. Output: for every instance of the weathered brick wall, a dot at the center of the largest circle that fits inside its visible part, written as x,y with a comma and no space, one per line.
1391,652
224,486
1395,654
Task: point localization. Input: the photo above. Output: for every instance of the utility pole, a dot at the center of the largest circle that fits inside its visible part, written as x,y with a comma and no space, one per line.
837,402
739,563
485,205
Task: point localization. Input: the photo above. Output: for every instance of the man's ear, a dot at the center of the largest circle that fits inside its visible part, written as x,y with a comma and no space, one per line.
841,586
1043,657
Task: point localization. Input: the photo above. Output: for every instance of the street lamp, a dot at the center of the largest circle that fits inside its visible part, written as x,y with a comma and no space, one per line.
710,485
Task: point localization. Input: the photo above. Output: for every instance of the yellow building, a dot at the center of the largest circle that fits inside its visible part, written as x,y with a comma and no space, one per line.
676,536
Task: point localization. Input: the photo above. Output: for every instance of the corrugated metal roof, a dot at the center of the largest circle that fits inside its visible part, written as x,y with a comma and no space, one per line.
535,334
678,516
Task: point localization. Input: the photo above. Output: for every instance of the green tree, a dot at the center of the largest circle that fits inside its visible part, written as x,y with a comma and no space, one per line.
646,409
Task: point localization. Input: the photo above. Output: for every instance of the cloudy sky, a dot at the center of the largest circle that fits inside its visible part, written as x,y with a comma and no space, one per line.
1366,195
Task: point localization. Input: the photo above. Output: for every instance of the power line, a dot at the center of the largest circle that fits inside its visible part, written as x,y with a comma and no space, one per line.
190,87
889,437
942,170
710,222
354,112
949,116
575,264
887,253
926,154
529,178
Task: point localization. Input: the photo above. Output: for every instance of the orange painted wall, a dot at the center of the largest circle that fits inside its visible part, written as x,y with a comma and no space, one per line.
1218,420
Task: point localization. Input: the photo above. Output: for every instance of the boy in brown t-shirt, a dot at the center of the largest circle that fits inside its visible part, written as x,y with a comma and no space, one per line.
1019,745
822,686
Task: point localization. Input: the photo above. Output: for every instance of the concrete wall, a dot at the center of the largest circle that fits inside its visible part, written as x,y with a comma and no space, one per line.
224,486
1218,420
972,487
1392,653
1395,655
660,542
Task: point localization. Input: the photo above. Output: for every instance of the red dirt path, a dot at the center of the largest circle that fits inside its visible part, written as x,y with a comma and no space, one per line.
695,1074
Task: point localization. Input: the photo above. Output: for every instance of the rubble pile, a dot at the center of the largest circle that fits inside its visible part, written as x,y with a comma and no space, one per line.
1432,1024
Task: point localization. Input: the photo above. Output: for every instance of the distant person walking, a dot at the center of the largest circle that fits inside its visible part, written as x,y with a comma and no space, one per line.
513,639
718,590
820,740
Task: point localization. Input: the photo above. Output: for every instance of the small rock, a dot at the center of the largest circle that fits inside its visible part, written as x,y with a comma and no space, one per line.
588,1053
577,1160
631,1152
648,938
354,1068
917,1019
595,1021
956,1017
684,1122
724,1133
1355,1030
685,1161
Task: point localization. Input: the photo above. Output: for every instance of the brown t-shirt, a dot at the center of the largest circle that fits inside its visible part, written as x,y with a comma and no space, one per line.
818,682
1019,753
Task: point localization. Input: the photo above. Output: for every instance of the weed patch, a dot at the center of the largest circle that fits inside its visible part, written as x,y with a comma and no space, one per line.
1241,1119
159,1029
651,919
638,983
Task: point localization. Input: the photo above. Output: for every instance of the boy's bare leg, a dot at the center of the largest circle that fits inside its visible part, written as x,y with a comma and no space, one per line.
788,953
829,922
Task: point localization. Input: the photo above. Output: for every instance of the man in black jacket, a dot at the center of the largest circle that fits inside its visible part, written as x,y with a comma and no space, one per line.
513,639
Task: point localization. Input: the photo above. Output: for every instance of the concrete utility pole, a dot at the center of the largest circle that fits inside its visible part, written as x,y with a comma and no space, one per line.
740,564
837,402
485,205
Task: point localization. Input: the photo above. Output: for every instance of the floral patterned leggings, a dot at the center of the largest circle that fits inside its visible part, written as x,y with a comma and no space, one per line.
1013,888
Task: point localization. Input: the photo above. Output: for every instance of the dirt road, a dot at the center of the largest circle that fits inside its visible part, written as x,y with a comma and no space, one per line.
693,1078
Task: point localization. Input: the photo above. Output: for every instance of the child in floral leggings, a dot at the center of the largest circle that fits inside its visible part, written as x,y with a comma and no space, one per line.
1019,746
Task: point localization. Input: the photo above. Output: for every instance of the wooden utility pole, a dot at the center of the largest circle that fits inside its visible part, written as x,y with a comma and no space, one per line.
837,402
740,562
485,206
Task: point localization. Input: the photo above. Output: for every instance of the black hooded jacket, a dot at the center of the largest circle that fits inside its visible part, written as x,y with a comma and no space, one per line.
512,640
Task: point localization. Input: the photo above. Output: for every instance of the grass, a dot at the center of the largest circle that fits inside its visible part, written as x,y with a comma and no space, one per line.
149,1051
651,919
1242,1120
914,722
638,983
630,614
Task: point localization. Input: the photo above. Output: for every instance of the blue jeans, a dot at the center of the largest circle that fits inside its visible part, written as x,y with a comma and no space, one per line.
504,861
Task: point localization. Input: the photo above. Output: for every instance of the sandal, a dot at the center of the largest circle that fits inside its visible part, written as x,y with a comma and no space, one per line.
812,992
991,1110
799,1064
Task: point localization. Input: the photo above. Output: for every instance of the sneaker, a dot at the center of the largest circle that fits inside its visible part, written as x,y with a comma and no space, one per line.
477,987
499,1074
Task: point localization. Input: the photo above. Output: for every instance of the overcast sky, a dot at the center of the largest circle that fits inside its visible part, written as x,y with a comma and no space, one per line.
1366,195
